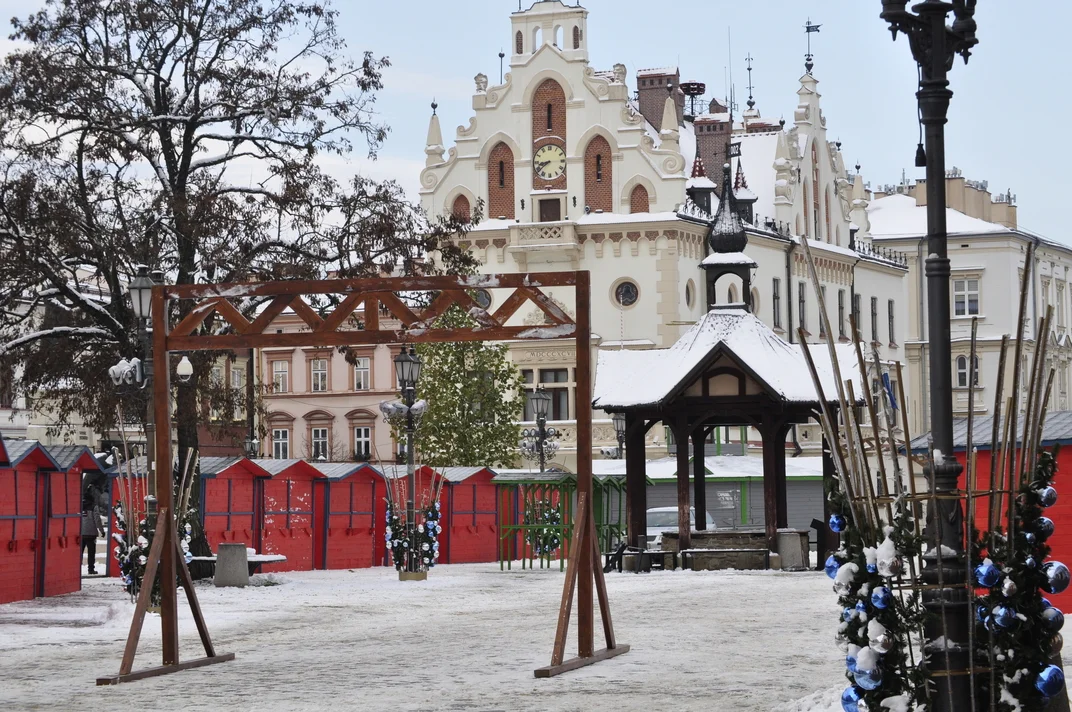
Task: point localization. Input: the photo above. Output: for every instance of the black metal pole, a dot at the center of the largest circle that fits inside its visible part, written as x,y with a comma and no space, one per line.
541,440
149,426
411,476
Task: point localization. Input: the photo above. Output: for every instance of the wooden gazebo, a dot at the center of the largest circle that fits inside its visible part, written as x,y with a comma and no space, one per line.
727,369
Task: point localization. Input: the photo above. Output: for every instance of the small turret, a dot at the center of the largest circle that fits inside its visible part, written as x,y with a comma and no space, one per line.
669,133
433,148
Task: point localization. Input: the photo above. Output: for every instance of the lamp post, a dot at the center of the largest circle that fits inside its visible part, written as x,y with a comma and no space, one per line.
935,46
619,433
538,443
408,371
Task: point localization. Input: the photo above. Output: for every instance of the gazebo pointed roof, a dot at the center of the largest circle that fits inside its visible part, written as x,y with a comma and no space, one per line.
636,379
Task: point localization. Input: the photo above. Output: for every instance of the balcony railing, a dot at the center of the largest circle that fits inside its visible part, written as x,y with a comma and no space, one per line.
548,234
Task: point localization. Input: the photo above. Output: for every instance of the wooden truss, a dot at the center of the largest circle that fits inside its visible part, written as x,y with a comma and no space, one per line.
347,325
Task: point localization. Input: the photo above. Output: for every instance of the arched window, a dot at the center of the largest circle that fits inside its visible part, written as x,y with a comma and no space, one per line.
826,211
519,43
537,40
549,127
755,300
598,178
558,37
731,294
962,371
815,189
576,37
501,182
461,209
638,200
807,212
550,117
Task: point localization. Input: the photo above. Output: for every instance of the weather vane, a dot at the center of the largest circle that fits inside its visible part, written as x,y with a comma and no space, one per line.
751,101
808,29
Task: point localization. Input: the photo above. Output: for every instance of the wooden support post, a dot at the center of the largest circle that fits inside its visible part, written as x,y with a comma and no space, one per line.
636,488
782,505
684,526
585,622
699,479
165,491
770,486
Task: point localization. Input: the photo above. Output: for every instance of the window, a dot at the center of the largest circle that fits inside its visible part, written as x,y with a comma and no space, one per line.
688,294
874,319
482,297
550,123
889,318
7,391
802,305
776,302
626,294
236,379
965,297
576,37
281,376
318,368
362,375
216,377
320,443
856,312
280,443
502,174
362,442
1060,305
559,394
822,323
962,371
841,313
519,43
599,167
527,378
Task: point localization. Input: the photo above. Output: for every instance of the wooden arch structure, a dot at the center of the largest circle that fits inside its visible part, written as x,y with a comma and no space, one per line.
584,573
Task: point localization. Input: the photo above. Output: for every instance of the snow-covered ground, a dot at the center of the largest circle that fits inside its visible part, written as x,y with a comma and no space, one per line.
467,639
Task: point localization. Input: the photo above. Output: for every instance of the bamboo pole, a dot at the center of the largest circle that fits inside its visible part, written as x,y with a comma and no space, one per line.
1032,392
870,403
869,488
995,433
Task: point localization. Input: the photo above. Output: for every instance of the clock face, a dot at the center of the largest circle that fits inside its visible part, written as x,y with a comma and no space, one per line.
549,162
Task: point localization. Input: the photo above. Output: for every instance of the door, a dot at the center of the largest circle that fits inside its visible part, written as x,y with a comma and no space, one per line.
550,210
321,499
41,533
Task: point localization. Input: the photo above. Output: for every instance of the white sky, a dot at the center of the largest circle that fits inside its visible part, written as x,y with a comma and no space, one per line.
1008,106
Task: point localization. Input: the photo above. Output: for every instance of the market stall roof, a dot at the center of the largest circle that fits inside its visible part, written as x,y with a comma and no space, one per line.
631,379
210,467
274,467
1056,431
12,452
68,456
342,470
454,473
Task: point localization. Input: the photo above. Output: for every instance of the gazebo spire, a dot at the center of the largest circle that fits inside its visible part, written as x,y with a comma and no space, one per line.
727,231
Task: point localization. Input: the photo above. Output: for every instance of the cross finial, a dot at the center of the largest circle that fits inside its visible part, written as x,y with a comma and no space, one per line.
808,29
434,106
751,101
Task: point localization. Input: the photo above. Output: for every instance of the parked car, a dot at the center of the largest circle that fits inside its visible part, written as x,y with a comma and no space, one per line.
664,519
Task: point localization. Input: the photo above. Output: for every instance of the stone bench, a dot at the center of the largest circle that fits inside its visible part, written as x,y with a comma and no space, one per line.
716,559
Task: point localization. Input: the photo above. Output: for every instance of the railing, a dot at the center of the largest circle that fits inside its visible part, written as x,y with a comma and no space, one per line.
543,234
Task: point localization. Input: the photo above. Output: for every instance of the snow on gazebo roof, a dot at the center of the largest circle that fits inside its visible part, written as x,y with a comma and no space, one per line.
627,379
728,258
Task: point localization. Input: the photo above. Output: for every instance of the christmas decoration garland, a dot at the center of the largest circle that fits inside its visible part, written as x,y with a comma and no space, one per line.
426,542
545,521
132,553
877,620
1010,606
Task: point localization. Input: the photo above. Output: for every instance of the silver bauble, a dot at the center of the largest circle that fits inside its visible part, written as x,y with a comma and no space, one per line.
890,567
842,641
881,644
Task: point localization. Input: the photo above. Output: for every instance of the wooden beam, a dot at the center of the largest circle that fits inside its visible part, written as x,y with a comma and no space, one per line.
372,284
569,585
684,526
232,316
306,314
196,317
636,488
165,486
770,488
575,663
142,605
164,669
601,586
583,331
699,478
275,307
341,313
398,310
509,307
223,342
191,597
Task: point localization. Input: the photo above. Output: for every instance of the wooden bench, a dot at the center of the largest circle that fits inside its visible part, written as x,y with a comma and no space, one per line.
254,560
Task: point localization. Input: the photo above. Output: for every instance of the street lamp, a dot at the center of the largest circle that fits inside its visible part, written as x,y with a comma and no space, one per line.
935,46
538,443
252,447
619,433
408,370
141,293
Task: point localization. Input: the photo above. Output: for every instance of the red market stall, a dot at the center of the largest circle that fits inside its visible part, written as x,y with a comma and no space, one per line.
66,494
38,545
292,514
470,513
127,480
356,514
231,500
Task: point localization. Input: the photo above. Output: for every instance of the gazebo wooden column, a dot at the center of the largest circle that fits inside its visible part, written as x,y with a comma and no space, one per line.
699,478
775,509
684,526
636,492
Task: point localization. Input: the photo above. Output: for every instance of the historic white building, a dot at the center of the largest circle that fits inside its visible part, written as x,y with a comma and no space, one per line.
987,252
575,171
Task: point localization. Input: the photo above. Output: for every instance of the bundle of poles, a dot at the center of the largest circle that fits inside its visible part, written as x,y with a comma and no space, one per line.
858,437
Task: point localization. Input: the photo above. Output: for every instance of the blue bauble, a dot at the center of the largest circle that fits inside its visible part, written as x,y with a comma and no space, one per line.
980,614
868,679
1044,527
1030,562
1005,617
837,523
1052,619
850,664
881,597
861,607
846,615
1046,602
1029,537
1047,496
1050,681
850,699
987,575
831,566
1057,577
872,569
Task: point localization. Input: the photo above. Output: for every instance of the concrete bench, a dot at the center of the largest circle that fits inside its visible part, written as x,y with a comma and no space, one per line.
253,561
728,558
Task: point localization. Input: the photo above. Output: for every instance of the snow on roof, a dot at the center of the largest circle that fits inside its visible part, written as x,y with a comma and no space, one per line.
729,258
724,116
640,378
492,224
702,182
656,71
717,467
899,216
604,218
757,161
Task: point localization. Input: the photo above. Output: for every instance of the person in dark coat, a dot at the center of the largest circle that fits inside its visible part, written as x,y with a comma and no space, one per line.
91,528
